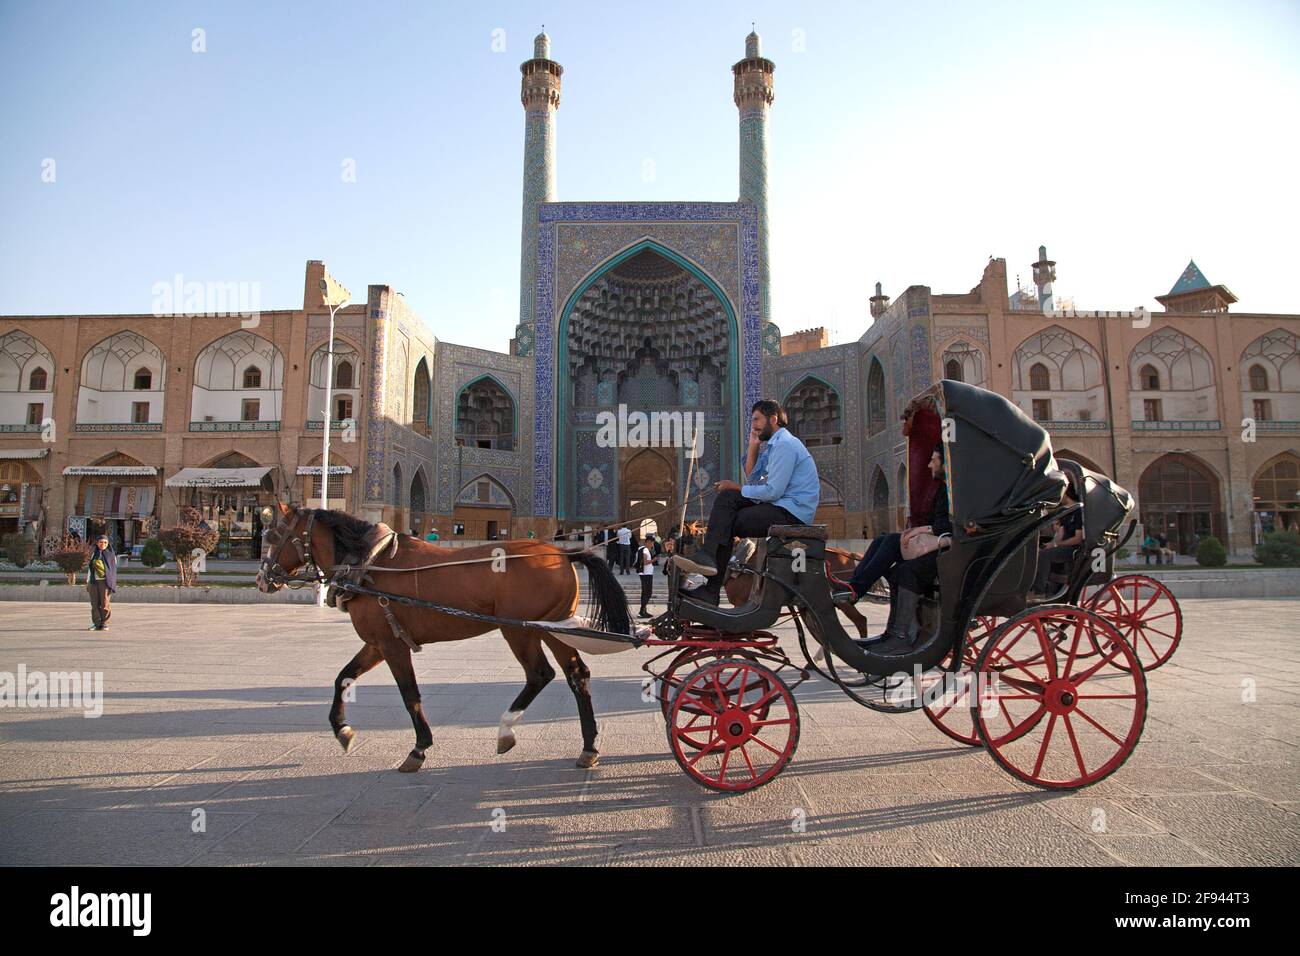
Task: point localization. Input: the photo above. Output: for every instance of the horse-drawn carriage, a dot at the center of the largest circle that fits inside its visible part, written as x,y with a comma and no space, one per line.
1053,690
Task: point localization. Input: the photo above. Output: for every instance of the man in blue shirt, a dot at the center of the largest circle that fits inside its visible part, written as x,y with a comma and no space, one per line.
781,488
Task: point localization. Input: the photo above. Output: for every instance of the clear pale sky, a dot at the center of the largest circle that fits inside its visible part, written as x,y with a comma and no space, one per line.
909,142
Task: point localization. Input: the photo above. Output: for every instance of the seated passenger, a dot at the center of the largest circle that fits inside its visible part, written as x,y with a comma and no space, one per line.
1060,550
913,578
782,488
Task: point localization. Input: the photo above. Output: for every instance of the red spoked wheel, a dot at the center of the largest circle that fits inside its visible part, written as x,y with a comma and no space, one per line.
1047,717
733,725
1146,614
684,664
948,706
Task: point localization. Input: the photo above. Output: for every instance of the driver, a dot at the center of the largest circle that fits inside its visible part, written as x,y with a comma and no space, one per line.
781,488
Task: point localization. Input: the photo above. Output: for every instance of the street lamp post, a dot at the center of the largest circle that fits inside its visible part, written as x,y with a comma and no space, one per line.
335,297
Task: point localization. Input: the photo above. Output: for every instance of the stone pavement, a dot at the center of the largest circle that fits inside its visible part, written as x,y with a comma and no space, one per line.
217,716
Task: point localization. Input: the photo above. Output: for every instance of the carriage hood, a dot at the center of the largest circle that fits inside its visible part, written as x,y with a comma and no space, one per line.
999,460
1105,504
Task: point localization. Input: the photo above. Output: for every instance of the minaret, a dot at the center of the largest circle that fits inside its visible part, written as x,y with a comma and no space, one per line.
879,303
1044,275
540,95
753,96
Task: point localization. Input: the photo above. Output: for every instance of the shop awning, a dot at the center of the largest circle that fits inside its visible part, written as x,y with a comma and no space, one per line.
138,471
12,453
315,469
218,478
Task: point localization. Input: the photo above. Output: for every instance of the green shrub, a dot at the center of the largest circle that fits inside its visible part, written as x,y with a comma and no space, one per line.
152,554
1210,553
20,549
1279,549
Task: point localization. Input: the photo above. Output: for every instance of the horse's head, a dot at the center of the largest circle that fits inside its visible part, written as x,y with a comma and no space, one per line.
288,550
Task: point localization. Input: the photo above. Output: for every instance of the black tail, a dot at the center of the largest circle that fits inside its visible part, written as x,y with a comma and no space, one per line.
607,608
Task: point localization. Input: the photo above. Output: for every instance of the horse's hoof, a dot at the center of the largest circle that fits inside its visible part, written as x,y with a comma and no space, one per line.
346,737
589,759
412,763
506,744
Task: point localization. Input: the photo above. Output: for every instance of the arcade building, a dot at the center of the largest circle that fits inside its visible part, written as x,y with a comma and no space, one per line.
115,422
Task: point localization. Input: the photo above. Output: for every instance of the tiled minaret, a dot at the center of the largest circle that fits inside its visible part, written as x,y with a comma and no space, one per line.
540,95
753,96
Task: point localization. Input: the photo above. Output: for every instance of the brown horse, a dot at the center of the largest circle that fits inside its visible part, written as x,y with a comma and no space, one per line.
839,562
522,580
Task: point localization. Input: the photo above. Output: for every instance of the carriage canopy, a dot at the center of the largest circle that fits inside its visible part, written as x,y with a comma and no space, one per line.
1105,504
999,460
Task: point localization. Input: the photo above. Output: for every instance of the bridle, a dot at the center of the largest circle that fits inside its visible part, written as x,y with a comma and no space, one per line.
309,573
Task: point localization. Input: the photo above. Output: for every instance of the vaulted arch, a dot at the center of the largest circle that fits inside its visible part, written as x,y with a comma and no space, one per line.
422,398
1056,377
486,415
650,329
1182,373
238,380
812,408
26,381
1270,379
876,400
123,382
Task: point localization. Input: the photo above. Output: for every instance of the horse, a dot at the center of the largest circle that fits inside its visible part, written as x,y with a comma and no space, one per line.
524,580
839,562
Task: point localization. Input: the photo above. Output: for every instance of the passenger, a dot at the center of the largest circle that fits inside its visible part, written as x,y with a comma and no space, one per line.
913,578
1060,550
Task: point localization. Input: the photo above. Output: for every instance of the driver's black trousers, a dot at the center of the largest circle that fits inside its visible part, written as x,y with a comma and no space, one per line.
735,516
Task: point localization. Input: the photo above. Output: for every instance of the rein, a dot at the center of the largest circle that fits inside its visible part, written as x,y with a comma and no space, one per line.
385,599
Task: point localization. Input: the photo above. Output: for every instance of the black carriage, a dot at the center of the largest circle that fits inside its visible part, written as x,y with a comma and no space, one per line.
1053,690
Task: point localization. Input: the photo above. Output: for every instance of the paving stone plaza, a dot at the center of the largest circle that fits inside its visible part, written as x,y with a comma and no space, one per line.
213,749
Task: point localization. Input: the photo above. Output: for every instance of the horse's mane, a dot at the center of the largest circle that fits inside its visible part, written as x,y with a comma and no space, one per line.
352,535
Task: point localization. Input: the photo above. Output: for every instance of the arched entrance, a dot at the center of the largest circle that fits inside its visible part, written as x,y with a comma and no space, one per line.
649,343
419,494
646,487
879,503
1276,497
1178,496
484,508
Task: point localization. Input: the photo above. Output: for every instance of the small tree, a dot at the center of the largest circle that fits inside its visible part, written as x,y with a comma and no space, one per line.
72,556
1279,549
20,549
152,554
183,538
1210,553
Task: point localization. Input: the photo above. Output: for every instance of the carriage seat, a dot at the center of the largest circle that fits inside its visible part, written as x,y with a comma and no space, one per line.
814,532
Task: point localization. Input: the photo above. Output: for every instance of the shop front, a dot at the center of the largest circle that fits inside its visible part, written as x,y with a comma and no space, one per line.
117,499
20,488
230,500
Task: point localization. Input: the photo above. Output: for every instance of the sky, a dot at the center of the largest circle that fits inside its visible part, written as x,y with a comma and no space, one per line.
909,142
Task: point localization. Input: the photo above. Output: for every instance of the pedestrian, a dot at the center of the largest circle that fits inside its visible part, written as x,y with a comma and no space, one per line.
645,569
624,549
101,582
432,536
